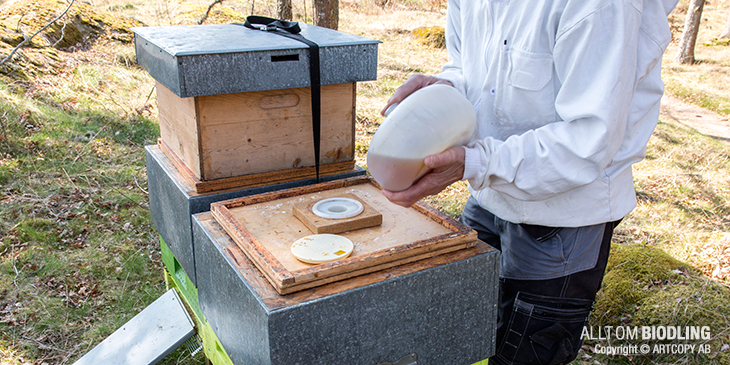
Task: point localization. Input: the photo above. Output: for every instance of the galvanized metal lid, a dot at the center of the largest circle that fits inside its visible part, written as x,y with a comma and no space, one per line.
198,60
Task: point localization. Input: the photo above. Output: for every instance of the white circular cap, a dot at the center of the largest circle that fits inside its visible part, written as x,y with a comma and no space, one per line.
320,248
337,208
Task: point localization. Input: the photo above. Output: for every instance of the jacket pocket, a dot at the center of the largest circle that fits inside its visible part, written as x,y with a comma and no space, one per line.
544,330
525,97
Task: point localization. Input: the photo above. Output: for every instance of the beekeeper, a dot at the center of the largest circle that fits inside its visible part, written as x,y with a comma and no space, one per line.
567,95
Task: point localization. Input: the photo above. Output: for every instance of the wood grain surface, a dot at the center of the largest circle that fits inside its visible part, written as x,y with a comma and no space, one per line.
369,217
273,300
264,228
263,135
252,180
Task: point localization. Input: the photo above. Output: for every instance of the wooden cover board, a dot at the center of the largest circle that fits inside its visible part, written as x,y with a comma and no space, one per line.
231,135
273,300
264,227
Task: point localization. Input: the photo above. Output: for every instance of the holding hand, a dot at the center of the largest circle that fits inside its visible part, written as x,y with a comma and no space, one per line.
446,168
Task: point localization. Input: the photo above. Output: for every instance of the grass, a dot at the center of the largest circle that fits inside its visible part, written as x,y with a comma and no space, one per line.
703,83
79,256
77,237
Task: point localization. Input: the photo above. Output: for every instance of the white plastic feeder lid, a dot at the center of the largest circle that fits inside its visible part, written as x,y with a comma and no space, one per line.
337,208
320,248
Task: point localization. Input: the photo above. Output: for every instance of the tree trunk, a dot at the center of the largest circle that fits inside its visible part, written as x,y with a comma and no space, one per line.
726,32
686,51
326,13
283,9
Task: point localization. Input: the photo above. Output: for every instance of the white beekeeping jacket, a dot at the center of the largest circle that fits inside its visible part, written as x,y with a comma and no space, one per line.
567,95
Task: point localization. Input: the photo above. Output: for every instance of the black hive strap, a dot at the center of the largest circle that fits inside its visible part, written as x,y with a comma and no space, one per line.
291,30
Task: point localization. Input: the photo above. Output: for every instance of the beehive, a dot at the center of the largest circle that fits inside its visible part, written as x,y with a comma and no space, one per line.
235,103
441,308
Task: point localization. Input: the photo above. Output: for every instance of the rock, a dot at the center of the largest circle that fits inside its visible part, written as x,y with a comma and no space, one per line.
431,36
192,13
80,25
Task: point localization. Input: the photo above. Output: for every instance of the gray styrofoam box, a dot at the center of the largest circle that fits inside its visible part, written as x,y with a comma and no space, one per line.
446,313
197,60
173,201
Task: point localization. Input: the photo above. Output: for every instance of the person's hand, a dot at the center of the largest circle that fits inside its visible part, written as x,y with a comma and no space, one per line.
446,168
415,82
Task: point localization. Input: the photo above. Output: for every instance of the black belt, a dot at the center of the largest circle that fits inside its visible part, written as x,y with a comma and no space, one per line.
291,30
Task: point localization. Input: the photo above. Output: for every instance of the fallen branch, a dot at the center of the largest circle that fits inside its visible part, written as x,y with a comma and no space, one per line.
207,12
63,35
42,345
28,39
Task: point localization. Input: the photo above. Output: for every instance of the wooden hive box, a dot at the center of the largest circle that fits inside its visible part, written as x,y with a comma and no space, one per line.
235,103
264,227
256,138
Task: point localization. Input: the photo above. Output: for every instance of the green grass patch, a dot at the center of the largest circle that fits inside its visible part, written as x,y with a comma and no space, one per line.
715,42
78,254
704,98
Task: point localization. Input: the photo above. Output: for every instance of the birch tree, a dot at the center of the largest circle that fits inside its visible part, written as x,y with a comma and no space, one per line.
326,13
283,9
686,51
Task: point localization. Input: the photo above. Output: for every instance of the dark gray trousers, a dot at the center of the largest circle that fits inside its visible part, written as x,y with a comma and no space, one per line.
540,321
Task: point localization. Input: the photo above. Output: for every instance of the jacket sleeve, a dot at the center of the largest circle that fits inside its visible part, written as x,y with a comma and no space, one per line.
452,70
595,65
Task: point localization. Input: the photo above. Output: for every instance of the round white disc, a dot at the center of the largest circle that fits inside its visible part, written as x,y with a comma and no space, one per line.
320,248
337,208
